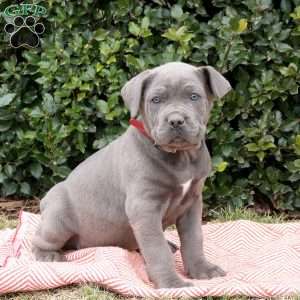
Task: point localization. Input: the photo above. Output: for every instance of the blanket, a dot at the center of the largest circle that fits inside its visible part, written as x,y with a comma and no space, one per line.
261,260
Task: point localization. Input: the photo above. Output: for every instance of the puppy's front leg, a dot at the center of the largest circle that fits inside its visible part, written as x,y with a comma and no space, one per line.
190,232
145,217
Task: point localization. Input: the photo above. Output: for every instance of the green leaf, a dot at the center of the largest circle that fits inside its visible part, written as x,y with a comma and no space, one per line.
296,14
2,177
291,70
9,188
100,143
267,146
176,11
134,29
273,174
145,23
227,150
297,202
48,104
243,24
286,6
234,23
178,35
6,99
252,147
4,126
238,25
102,106
36,113
264,4
9,169
25,188
267,142
221,167
283,47
30,134
100,34
290,126
297,163
62,171
36,169
260,155
294,177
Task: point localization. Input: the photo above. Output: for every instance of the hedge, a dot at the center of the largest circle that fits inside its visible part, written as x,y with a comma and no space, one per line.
61,102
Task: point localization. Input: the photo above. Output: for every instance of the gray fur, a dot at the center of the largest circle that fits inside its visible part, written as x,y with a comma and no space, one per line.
129,192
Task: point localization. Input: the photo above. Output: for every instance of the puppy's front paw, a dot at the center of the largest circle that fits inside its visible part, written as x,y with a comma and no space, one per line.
205,270
42,255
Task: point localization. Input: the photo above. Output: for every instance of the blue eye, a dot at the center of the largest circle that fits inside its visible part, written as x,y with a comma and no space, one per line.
194,97
156,99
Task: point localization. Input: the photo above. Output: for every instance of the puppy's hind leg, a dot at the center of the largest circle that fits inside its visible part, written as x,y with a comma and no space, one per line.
54,230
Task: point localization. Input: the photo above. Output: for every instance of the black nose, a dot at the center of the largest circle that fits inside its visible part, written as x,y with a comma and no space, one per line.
176,120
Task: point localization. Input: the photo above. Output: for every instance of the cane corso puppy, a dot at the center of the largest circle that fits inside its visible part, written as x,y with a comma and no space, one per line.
129,192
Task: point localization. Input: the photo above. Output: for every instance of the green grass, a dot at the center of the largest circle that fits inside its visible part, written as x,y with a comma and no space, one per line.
93,292
80,292
88,292
233,214
7,223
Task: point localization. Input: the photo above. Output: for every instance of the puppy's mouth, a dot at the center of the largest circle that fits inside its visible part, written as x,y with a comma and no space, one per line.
177,143
183,138
178,140
182,147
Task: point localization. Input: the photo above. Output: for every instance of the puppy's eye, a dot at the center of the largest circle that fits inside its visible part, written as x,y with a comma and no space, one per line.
155,99
194,97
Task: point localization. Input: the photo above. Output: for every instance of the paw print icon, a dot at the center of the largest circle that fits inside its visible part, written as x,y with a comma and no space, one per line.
24,32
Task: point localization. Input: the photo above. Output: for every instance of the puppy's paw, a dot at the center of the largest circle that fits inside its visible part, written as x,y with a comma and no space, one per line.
174,283
48,256
205,270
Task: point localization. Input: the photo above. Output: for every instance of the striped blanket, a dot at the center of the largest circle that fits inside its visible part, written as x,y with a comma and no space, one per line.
261,260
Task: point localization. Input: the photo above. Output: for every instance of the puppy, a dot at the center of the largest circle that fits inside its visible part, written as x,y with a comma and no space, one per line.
129,192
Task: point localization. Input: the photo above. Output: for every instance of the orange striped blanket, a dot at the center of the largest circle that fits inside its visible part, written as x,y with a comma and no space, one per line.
261,260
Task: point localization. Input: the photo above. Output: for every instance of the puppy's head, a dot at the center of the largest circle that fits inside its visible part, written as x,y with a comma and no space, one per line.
174,101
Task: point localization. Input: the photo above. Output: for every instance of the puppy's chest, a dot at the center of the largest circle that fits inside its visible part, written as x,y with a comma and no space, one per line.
179,196
179,201
185,187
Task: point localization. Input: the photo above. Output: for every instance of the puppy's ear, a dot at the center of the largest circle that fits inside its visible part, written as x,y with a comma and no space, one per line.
132,92
215,83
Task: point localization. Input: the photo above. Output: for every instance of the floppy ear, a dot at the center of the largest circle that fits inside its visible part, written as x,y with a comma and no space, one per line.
215,82
132,92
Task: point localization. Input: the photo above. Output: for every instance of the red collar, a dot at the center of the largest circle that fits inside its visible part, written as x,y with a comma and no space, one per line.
139,125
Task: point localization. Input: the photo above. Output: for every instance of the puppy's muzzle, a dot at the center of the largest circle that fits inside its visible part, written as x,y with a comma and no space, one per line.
176,120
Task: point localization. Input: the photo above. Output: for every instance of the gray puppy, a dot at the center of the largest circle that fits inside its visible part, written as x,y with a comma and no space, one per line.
127,193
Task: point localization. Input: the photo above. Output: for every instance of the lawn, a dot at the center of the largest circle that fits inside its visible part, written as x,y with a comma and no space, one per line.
93,292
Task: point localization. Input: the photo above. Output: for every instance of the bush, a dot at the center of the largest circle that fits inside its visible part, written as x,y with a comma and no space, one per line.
61,102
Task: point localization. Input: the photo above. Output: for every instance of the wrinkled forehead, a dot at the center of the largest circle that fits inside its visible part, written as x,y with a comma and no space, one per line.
180,80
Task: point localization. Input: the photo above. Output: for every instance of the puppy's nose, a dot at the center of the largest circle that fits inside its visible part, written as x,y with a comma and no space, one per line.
176,120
